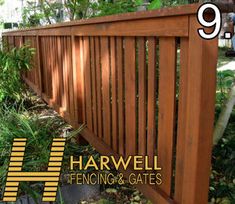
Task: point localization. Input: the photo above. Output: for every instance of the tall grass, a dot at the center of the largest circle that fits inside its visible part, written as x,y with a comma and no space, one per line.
39,133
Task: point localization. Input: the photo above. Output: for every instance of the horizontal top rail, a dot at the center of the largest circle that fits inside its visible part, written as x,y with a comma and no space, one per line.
139,15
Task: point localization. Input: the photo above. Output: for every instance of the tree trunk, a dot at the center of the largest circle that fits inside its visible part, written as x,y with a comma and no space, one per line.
224,116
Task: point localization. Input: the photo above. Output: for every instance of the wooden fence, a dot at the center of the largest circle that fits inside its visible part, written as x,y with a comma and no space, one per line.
144,83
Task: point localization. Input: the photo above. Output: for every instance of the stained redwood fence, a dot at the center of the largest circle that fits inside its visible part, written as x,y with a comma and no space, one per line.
117,73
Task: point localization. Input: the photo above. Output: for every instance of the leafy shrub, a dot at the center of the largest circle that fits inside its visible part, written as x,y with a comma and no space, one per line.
225,80
12,63
105,8
222,182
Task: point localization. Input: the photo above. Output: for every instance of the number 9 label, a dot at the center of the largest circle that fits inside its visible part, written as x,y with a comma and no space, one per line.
216,22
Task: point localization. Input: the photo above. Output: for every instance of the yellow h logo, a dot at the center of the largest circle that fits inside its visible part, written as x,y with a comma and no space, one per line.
51,177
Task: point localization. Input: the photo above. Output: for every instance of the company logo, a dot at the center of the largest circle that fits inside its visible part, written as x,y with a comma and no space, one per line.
50,177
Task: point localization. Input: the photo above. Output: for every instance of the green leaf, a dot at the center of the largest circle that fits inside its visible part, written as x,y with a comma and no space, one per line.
139,2
156,4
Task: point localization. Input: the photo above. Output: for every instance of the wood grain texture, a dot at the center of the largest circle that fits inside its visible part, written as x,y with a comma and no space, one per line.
152,27
105,76
202,59
102,72
166,115
56,72
60,65
65,73
151,132
38,53
120,81
88,83
114,94
98,87
82,70
94,91
70,80
142,143
130,95
53,69
182,107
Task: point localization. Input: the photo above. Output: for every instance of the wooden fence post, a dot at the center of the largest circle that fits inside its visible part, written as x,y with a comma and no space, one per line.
201,85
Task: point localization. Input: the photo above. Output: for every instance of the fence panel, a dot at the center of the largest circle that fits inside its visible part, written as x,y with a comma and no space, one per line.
142,83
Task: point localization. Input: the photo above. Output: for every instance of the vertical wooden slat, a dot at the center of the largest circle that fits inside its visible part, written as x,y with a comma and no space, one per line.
33,70
54,86
98,86
105,71
78,85
151,133
93,76
75,85
48,59
38,50
56,73
57,78
83,89
166,116
45,65
130,95
61,74
35,63
142,96
70,80
51,67
88,84
179,172
120,83
16,41
45,56
114,93
65,73
202,60
35,77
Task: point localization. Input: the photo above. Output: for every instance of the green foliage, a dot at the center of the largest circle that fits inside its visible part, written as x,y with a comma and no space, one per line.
39,132
80,9
2,2
156,4
225,80
222,182
119,6
12,63
47,12
30,19
87,8
35,14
